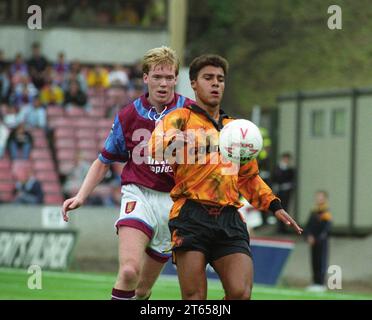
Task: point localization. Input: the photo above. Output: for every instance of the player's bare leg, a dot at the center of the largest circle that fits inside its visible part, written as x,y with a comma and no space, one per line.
236,274
191,274
150,272
132,245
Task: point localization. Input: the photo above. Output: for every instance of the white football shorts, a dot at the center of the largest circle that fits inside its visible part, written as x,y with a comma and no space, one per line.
148,210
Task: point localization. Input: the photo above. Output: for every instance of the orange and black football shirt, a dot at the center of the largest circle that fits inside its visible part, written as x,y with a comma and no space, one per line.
200,173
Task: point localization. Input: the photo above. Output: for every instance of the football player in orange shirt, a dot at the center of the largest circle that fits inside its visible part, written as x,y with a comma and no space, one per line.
204,221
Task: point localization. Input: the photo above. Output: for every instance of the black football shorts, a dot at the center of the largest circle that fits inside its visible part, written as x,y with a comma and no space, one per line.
215,231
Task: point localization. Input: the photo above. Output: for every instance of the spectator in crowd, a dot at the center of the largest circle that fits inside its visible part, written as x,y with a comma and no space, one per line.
136,90
34,115
317,235
283,178
136,72
28,189
102,194
106,193
2,61
155,14
98,78
4,80
56,11
18,69
117,97
61,68
4,133
10,115
127,15
24,92
20,143
118,76
83,14
75,74
75,97
37,65
74,179
104,13
51,93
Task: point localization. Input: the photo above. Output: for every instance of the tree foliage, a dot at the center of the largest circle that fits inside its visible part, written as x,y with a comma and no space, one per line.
278,46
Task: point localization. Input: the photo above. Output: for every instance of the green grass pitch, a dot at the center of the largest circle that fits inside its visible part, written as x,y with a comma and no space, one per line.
91,286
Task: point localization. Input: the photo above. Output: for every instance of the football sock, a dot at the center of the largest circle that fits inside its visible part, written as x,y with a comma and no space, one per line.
122,294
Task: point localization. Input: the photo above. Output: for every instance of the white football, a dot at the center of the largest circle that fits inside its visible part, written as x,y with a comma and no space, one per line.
240,141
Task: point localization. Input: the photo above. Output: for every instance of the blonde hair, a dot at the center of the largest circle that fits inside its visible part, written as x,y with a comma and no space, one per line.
161,55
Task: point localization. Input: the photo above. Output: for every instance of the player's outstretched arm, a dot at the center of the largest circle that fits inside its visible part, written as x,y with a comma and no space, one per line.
283,216
96,173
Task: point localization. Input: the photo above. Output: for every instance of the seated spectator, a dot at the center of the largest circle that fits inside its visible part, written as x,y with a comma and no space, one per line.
98,77
51,94
117,97
102,194
108,192
103,15
4,133
83,14
76,177
2,61
61,68
18,69
4,84
74,97
136,90
75,74
20,143
33,115
136,73
10,115
118,76
155,14
127,15
56,11
37,65
24,92
28,189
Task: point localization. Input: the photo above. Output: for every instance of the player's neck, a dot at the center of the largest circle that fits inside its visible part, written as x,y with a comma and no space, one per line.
157,105
213,111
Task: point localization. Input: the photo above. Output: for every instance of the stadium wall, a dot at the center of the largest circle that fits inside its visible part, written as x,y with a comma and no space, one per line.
123,46
97,242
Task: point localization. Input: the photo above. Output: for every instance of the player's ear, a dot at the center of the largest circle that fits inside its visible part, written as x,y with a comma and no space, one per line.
193,84
145,78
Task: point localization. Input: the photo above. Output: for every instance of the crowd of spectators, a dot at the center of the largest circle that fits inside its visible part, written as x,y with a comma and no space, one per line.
30,87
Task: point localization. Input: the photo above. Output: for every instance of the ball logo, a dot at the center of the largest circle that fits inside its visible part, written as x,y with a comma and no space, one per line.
243,133
249,146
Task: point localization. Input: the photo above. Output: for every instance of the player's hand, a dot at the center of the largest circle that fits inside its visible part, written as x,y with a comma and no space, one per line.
283,216
70,204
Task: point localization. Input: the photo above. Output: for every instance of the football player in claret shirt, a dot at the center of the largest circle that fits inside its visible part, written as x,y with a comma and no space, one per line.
144,237
204,221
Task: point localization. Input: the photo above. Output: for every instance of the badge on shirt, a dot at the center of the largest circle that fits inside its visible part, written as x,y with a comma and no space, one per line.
130,206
